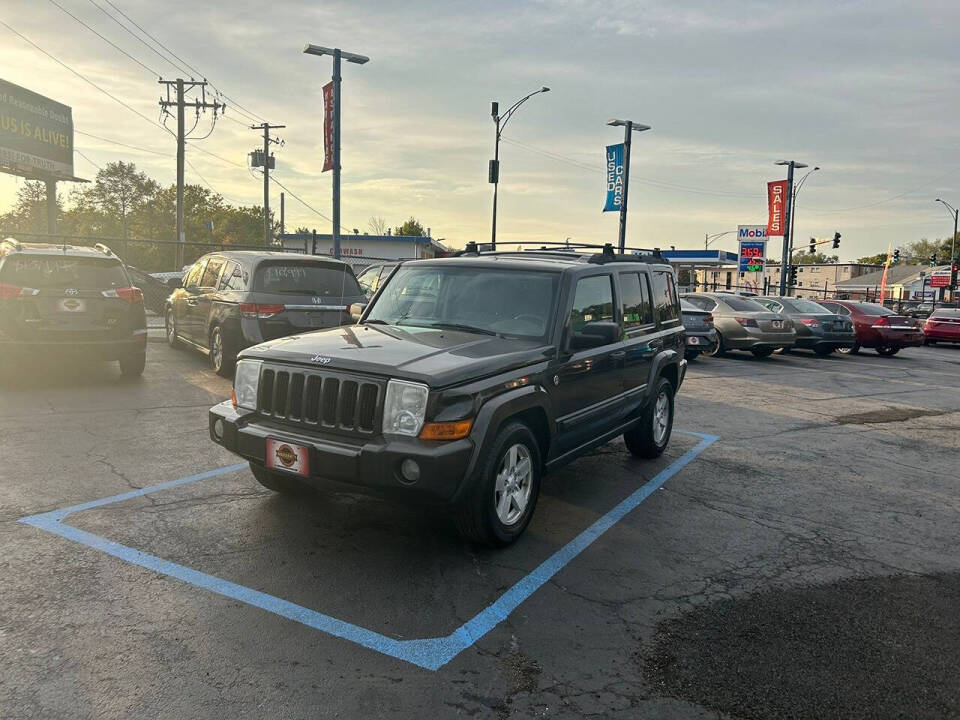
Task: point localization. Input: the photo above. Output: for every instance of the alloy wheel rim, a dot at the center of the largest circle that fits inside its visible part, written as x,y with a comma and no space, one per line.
171,330
661,418
514,484
216,351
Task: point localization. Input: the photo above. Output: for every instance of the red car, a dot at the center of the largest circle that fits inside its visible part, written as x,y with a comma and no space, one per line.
877,327
943,325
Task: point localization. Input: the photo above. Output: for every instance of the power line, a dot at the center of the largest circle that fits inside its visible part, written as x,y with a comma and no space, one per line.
83,77
109,42
221,159
137,37
207,183
889,199
303,202
117,142
78,152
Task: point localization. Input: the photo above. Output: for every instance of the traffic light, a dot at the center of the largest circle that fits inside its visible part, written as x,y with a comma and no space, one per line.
813,245
896,255
933,259
793,275
954,269
836,240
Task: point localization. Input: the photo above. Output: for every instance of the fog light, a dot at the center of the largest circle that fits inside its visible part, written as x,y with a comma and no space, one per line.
218,429
410,470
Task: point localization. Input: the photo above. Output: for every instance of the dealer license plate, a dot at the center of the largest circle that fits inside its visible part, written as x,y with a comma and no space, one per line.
288,456
692,340
777,324
72,305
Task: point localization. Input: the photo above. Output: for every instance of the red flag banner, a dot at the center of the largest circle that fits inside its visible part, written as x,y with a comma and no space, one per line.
327,126
776,202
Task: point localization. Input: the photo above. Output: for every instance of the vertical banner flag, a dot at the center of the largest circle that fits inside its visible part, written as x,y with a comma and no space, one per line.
753,247
886,269
327,126
614,178
776,199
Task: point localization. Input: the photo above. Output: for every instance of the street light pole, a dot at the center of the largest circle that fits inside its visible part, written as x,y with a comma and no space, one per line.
628,127
707,239
793,205
956,214
500,121
337,54
785,258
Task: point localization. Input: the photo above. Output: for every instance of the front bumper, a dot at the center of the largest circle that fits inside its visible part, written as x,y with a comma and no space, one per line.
367,466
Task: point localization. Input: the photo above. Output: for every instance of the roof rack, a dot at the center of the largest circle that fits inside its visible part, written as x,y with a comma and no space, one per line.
103,248
15,244
565,249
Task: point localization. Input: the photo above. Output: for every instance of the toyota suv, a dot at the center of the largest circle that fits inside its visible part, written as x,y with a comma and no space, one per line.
70,300
465,380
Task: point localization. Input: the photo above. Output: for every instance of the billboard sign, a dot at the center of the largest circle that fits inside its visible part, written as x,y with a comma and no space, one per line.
614,165
36,134
776,197
753,247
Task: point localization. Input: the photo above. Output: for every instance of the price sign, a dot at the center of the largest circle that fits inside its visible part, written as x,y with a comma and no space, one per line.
752,255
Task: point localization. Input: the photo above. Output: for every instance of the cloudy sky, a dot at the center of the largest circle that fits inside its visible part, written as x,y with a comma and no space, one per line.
869,91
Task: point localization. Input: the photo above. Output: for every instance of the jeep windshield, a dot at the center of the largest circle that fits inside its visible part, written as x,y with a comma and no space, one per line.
455,297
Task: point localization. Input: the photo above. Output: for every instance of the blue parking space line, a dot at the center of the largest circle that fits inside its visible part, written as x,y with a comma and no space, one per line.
428,653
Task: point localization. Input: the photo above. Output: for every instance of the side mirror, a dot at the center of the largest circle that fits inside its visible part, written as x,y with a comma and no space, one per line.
356,310
175,282
595,335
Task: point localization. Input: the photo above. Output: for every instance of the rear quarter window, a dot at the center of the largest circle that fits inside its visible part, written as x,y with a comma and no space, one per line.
666,303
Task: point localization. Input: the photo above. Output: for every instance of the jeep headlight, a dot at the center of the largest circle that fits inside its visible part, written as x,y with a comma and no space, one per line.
246,383
404,408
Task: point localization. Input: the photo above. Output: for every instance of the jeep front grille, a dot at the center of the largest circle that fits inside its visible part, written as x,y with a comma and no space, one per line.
323,400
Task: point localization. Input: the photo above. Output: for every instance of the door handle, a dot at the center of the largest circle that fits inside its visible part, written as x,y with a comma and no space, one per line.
191,302
618,355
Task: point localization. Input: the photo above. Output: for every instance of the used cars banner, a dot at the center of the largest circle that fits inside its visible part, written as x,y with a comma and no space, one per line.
776,197
36,134
614,178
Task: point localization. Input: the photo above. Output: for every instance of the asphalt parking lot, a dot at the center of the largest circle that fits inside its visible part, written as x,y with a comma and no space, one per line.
803,564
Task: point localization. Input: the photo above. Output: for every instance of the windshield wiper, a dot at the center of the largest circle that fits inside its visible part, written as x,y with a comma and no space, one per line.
459,326
375,322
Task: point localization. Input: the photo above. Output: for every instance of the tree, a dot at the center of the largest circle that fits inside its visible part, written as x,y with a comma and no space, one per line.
302,231
377,225
120,190
817,258
29,213
411,228
878,259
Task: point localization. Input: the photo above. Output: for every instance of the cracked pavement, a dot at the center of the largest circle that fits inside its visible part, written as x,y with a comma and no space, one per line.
827,471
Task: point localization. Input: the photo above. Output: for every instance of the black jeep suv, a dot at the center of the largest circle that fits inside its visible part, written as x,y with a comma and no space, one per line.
65,299
465,380
231,300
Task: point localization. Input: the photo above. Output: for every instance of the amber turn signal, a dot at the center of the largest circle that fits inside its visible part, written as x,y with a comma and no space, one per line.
233,397
446,430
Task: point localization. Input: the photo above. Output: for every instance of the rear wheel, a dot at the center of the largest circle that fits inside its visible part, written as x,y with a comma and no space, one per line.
222,358
649,438
852,350
718,350
887,350
275,481
763,352
691,354
929,342
498,508
133,365
823,350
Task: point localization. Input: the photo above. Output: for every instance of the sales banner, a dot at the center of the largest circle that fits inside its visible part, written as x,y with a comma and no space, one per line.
753,247
614,178
776,202
327,126
36,134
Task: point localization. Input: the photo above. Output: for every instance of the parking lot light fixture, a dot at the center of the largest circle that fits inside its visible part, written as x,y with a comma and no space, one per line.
785,258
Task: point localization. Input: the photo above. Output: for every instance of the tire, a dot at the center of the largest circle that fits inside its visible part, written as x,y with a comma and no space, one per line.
887,350
691,354
486,516
132,366
823,351
275,481
929,342
650,437
852,350
222,357
719,350
170,327
763,352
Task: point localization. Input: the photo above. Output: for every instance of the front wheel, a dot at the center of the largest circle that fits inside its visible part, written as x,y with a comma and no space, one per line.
852,350
649,438
498,508
170,323
887,350
222,359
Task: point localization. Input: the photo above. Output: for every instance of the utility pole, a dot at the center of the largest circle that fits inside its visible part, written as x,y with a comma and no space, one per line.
628,127
282,230
337,55
180,88
268,165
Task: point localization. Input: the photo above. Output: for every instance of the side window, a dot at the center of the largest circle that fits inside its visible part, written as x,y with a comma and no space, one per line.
193,275
666,306
233,278
593,302
844,311
771,305
367,279
635,300
211,273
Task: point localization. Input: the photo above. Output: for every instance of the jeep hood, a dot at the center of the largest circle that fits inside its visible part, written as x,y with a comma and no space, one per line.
436,357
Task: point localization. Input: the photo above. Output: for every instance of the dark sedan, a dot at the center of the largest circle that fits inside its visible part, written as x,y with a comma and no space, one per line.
877,327
818,328
232,300
701,336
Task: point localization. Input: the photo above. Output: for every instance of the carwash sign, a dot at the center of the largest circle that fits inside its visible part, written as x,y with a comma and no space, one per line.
36,134
614,178
753,247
